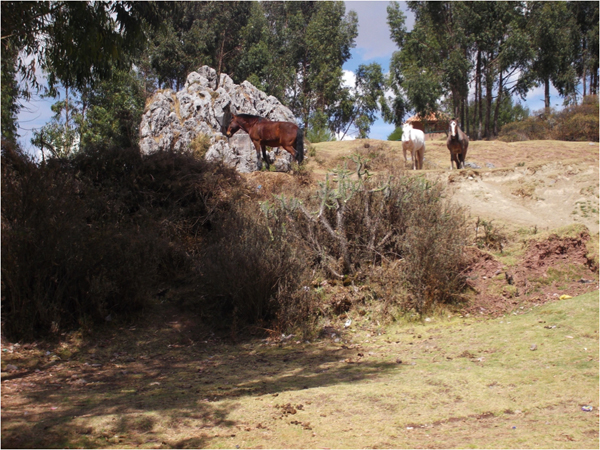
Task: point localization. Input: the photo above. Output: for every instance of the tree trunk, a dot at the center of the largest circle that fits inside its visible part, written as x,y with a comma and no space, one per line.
584,67
489,91
547,93
479,100
498,101
462,113
221,55
467,123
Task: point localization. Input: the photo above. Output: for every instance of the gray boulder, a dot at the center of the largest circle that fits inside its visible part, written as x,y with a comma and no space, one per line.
177,121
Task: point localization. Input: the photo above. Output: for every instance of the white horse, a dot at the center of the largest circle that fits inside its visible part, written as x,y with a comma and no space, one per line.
413,140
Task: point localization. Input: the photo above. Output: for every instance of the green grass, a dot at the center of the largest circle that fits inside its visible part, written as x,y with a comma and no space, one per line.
458,382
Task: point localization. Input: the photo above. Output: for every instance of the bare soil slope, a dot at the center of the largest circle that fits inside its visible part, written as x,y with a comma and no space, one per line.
543,184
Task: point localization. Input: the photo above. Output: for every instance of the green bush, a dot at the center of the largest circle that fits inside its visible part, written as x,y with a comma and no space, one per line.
396,135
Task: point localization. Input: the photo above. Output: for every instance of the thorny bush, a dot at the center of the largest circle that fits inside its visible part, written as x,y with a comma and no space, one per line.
357,222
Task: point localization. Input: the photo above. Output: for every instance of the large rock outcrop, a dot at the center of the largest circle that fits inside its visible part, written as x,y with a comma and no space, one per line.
174,120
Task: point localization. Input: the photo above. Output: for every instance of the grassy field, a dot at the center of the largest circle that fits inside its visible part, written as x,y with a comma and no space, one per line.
518,381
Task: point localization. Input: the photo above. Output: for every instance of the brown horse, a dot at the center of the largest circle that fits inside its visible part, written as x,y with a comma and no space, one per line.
264,132
457,143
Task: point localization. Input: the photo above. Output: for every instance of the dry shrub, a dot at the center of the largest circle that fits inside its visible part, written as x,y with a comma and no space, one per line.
60,269
573,123
200,145
354,224
86,238
578,122
433,251
251,275
532,128
489,236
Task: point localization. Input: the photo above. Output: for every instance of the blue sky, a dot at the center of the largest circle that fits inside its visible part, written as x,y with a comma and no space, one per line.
373,44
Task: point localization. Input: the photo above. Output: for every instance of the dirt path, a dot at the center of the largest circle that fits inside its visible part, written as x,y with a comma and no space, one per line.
548,196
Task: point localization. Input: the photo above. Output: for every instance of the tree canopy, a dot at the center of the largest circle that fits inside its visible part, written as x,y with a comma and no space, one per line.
464,58
489,50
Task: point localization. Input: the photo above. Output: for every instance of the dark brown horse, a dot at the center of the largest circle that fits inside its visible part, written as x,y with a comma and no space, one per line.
264,132
458,143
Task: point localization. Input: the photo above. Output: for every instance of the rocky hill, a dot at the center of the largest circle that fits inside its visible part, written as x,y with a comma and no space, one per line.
174,121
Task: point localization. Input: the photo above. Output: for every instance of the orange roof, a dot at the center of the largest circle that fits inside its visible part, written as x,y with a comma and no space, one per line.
432,117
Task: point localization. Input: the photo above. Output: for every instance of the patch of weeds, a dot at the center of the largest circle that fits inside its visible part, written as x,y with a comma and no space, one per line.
510,291
489,236
526,190
200,145
585,209
590,190
559,275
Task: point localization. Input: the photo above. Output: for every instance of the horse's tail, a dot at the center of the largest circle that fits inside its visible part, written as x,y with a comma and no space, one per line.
300,145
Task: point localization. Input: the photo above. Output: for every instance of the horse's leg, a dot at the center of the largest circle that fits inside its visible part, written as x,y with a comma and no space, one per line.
461,159
420,155
258,160
291,150
452,160
265,156
413,155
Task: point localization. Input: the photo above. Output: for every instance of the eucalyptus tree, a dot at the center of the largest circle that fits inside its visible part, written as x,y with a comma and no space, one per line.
551,25
585,44
330,35
296,50
366,100
432,61
196,34
72,44
502,51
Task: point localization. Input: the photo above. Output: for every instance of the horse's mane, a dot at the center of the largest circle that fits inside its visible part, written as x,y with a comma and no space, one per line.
250,116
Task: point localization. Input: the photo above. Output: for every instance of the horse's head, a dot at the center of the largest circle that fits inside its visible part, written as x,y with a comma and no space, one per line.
406,131
453,131
233,126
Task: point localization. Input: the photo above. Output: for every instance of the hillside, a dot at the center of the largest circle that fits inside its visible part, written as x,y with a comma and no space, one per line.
547,184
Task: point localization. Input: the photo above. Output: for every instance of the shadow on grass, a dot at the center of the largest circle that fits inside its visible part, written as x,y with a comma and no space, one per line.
127,397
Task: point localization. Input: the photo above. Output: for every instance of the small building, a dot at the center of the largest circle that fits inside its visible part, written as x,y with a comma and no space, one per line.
434,125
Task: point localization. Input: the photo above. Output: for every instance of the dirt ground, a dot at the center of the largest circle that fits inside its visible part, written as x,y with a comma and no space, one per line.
543,184
516,367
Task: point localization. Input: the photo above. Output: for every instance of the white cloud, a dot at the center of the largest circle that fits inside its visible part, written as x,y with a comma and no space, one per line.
373,31
349,79
347,137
